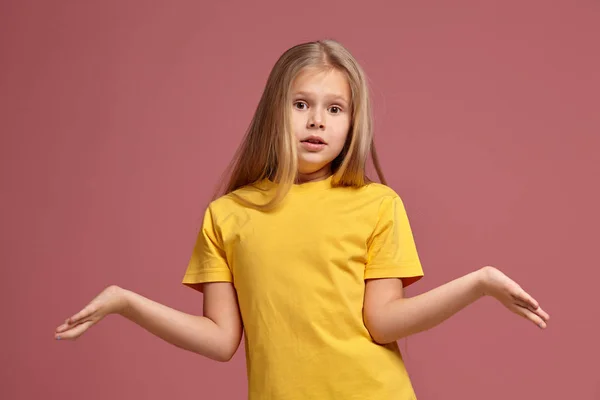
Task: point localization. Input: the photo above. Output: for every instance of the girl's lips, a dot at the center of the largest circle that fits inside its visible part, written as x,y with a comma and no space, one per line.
313,146
314,139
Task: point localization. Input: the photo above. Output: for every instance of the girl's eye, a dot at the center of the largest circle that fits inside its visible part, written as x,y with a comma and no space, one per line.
299,105
336,110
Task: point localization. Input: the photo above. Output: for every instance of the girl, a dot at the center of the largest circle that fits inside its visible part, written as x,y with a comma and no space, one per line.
307,254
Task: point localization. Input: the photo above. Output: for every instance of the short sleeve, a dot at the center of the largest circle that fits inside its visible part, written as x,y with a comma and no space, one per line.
392,252
207,262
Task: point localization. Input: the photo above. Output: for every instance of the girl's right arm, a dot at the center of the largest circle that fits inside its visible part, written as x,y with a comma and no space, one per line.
215,335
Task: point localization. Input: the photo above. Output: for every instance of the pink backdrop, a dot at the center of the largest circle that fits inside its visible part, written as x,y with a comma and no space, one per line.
117,119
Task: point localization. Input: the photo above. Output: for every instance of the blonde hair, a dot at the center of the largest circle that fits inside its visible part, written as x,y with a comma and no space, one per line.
269,151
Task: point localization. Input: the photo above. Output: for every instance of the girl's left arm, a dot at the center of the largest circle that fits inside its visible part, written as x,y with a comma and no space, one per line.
390,316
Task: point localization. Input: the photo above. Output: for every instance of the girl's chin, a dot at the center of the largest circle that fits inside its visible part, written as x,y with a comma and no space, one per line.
309,169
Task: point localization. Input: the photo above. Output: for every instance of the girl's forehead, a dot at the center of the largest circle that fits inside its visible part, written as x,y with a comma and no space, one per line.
322,82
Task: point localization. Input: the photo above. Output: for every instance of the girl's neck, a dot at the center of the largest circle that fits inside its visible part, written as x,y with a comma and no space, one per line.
315,176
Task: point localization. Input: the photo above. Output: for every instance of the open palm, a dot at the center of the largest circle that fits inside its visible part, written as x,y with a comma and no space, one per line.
513,297
109,301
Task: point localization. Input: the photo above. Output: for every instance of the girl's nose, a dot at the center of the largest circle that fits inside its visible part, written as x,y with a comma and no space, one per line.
315,121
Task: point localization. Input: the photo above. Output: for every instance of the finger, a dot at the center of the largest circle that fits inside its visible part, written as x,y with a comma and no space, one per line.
85,313
66,326
530,315
545,316
526,305
539,311
74,332
523,296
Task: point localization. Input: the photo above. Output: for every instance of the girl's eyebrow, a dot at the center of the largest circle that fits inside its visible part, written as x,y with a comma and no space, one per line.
332,96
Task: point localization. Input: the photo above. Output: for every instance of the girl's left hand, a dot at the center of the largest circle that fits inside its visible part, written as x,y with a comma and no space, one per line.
512,296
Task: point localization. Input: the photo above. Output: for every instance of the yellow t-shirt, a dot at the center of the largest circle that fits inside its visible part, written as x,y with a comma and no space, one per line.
299,273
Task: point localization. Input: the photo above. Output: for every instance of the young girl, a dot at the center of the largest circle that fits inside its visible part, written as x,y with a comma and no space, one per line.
307,254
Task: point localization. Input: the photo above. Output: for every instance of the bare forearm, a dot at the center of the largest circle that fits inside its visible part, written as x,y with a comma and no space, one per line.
198,334
406,316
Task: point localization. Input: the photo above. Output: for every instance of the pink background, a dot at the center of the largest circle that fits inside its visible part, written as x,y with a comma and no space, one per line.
117,119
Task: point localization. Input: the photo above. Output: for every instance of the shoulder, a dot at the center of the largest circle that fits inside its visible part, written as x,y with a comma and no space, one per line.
365,202
380,189
229,204
382,200
379,192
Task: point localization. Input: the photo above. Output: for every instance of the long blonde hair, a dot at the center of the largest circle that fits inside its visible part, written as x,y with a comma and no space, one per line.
269,151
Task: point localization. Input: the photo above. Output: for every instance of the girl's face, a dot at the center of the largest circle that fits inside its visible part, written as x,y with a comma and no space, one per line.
321,117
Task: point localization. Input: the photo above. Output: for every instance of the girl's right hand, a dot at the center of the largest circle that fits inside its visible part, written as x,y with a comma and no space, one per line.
111,300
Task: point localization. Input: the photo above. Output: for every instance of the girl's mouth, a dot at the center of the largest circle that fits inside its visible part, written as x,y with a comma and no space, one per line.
313,144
